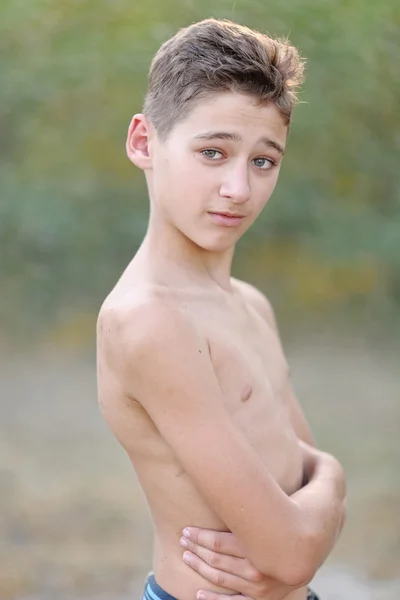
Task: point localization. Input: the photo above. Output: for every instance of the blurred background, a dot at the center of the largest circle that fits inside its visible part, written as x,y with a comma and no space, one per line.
73,210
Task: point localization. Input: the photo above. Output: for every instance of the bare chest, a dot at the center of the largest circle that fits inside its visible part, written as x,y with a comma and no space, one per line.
246,354
253,375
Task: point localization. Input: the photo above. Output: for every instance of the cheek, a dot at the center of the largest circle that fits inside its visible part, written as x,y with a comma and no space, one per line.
167,179
189,178
178,189
180,171
262,191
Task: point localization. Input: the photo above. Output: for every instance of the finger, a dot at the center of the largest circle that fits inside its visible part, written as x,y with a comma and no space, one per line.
218,541
240,567
216,576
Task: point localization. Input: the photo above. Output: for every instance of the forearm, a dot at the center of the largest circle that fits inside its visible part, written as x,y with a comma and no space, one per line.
322,505
317,520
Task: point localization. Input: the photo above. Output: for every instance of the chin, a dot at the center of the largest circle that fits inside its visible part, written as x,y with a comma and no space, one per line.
221,244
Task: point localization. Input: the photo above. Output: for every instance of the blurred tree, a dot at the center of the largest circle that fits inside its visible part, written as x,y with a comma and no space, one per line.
73,210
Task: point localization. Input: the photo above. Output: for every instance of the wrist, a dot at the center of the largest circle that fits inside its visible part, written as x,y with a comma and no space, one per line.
329,469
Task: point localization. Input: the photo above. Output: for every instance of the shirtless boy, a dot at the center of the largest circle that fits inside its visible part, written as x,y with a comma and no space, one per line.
192,377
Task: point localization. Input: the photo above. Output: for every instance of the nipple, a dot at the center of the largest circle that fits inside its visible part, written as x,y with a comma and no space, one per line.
246,393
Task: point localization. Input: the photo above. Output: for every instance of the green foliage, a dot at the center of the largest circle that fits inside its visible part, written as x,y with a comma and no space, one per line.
73,210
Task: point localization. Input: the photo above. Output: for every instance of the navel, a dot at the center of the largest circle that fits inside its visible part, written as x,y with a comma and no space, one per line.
246,393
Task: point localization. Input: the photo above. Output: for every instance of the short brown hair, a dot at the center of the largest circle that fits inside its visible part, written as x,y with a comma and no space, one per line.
219,55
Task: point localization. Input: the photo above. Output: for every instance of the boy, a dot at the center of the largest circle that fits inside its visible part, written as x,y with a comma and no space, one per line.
191,374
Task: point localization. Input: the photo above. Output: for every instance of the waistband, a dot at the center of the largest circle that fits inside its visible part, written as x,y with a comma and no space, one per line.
153,591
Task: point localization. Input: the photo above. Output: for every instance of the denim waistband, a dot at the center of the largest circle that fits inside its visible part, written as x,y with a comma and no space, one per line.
152,591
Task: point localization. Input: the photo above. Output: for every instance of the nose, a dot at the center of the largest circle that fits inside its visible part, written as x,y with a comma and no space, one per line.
236,185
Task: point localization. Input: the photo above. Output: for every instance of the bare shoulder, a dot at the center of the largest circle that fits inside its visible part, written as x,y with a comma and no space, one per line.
257,299
133,328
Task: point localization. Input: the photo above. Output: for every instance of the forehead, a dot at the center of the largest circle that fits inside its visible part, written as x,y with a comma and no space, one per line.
234,113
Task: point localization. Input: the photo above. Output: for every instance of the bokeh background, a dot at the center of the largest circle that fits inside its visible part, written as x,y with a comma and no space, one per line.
73,210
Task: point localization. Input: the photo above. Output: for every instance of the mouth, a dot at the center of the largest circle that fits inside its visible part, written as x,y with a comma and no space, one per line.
226,218
227,214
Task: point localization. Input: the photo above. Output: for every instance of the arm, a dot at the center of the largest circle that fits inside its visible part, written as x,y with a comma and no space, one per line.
325,495
317,464
212,553
167,368
319,467
221,559
325,477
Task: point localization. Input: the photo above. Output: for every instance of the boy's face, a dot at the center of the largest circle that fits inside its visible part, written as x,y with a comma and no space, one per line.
223,159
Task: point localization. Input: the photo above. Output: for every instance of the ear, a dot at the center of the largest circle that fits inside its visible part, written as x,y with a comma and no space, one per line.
137,142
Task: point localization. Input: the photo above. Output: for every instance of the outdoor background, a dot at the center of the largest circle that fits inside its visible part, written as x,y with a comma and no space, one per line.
73,210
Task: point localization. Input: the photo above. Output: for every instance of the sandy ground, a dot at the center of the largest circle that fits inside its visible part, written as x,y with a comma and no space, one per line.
73,521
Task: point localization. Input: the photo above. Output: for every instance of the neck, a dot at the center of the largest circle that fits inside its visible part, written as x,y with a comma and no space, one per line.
183,259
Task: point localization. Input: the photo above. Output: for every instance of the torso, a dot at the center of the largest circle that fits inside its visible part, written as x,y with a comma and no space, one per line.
252,371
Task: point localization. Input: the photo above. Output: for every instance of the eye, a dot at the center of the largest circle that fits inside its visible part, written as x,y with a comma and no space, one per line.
264,163
211,154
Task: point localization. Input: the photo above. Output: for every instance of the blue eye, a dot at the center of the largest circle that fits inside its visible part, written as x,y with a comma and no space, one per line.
211,154
263,163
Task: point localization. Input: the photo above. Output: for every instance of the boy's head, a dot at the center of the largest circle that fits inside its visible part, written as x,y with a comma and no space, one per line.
217,56
213,129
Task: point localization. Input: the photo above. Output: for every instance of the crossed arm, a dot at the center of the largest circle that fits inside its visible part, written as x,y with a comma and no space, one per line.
165,356
221,558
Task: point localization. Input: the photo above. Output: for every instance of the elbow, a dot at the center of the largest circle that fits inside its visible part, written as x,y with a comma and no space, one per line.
296,558
295,572
298,574
301,564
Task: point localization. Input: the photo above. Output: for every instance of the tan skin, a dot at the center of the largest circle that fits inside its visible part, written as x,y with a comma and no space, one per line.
192,377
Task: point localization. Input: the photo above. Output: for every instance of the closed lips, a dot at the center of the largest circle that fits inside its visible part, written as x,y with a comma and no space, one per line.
226,214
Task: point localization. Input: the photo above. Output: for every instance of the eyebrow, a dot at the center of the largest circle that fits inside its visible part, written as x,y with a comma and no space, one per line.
235,137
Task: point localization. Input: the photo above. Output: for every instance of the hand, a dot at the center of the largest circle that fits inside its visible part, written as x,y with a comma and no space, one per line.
220,558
